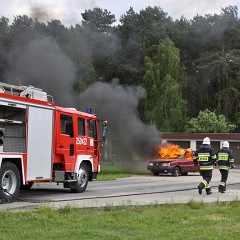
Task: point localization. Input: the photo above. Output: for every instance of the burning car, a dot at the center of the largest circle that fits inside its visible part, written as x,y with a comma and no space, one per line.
174,160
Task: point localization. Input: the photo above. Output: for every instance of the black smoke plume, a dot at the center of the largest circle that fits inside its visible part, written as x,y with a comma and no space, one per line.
118,104
42,64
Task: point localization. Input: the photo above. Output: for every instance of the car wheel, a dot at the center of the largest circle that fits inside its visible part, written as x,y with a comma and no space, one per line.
155,173
176,171
184,173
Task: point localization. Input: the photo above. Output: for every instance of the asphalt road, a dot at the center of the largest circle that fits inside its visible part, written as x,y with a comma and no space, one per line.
137,190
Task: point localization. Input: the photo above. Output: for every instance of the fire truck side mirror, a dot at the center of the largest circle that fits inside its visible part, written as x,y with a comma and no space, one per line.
104,132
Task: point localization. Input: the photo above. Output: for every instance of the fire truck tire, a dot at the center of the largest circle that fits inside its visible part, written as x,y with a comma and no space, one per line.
9,182
82,179
176,171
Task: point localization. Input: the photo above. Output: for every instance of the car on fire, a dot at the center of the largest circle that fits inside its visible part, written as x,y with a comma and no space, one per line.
176,167
174,164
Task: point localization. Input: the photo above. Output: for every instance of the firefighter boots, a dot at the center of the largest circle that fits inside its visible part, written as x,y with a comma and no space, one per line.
221,188
208,191
200,188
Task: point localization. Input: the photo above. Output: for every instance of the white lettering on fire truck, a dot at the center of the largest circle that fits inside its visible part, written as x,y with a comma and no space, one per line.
81,141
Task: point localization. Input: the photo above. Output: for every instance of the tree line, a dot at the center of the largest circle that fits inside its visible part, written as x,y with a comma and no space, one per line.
190,69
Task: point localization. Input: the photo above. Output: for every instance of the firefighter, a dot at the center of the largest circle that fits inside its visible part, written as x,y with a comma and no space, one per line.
205,157
225,160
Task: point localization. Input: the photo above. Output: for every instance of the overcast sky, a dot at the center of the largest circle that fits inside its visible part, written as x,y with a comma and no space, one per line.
69,11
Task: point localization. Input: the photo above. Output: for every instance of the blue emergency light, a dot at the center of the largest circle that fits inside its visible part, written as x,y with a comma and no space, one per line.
89,110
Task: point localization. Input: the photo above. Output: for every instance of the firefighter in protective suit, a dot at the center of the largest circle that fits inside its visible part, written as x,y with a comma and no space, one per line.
225,160
205,157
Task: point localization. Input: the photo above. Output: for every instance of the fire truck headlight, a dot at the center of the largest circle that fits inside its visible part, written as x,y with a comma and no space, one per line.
166,164
150,164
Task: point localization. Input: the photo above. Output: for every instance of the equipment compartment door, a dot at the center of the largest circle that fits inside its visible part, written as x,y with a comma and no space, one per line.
39,143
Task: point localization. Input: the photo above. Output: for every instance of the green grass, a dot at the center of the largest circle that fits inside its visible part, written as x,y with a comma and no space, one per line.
112,172
192,221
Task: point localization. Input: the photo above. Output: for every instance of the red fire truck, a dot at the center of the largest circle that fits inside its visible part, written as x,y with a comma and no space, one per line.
41,142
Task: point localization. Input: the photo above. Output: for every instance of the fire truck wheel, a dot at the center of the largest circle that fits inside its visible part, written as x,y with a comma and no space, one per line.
82,179
9,181
176,171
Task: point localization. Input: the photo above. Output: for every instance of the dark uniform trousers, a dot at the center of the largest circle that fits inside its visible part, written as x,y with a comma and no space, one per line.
207,177
224,177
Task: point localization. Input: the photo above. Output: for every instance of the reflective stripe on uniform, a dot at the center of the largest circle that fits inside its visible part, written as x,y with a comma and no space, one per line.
206,167
205,183
222,184
223,167
203,157
223,156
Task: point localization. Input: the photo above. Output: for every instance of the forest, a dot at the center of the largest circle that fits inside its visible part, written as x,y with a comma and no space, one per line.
167,73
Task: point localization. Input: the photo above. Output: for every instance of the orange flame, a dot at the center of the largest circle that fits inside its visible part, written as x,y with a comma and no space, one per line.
188,154
174,151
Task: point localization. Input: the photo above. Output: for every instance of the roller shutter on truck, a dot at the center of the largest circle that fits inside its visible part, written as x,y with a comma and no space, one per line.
39,143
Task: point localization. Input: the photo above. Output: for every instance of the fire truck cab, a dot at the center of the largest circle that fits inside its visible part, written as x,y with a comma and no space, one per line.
41,142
